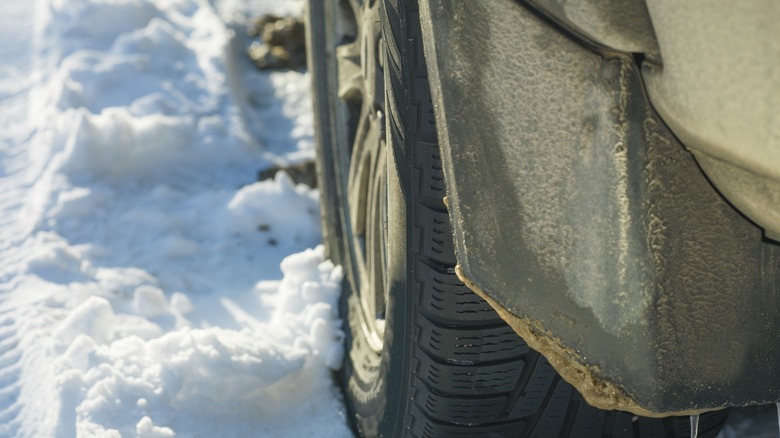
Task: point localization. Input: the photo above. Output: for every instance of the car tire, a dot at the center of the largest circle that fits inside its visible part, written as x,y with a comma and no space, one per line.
425,356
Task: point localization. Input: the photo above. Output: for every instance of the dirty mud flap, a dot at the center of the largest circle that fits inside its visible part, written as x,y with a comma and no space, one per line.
580,217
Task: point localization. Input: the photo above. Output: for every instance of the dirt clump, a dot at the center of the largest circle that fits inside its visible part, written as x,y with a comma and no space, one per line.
281,44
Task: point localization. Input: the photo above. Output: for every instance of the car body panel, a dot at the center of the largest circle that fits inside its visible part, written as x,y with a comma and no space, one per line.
717,86
579,214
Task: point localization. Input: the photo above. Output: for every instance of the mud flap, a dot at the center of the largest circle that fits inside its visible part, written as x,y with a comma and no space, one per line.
574,207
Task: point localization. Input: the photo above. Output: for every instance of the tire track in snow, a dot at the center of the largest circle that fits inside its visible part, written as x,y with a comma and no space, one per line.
10,372
24,156
16,136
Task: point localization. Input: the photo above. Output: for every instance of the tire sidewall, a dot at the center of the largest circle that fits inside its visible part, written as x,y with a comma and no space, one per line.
376,385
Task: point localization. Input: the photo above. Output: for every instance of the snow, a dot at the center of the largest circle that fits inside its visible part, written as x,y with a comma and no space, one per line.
258,380
149,285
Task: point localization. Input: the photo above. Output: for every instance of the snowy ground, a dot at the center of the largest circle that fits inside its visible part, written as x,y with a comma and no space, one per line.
149,286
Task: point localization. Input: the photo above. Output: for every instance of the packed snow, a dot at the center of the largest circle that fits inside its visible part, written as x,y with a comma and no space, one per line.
150,286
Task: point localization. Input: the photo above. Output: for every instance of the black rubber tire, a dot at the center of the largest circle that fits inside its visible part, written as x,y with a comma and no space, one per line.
450,366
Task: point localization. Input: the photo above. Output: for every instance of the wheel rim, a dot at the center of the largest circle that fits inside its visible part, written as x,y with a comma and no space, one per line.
361,160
